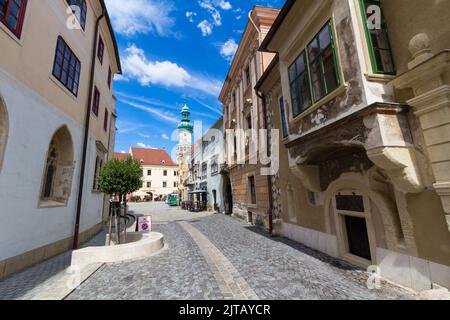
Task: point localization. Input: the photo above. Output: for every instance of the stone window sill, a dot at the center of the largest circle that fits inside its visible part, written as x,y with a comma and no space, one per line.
384,78
51,204
337,92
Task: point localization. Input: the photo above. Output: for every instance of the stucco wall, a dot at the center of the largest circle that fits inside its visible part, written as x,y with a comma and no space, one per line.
431,17
32,123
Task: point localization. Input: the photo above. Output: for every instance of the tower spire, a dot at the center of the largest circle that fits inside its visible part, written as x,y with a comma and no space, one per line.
185,121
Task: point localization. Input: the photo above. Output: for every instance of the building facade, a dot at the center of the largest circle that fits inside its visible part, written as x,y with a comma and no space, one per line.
205,165
363,110
246,190
57,125
160,172
184,150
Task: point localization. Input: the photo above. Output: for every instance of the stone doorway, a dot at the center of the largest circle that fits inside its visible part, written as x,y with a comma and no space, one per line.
355,232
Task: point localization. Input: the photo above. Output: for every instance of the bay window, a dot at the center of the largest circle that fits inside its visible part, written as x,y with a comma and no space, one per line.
314,74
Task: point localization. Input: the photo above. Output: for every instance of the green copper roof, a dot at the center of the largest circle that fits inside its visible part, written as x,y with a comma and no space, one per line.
185,121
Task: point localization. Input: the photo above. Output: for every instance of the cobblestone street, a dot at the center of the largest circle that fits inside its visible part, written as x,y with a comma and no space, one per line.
216,257
209,257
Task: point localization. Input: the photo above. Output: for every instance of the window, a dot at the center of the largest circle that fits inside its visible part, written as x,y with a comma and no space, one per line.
149,184
299,81
284,126
109,77
96,102
248,80
377,40
175,173
81,13
233,103
175,184
214,166
58,169
12,13
165,173
3,129
204,170
101,49
97,161
149,172
252,189
105,121
314,74
66,67
97,169
322,64
164,184
248,120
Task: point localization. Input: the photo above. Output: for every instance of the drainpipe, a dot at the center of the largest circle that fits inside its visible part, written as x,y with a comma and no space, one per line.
269,178
261,57
86,134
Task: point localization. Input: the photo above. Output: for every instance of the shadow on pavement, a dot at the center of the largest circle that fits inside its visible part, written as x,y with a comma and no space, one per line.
304,249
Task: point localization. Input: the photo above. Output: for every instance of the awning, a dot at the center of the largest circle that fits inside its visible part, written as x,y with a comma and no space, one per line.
198,191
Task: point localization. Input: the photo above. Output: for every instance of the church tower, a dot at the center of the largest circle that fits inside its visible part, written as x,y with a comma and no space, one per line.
185,129
184,148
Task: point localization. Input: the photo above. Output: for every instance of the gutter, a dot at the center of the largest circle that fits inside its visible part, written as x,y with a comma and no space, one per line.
276,25
86,130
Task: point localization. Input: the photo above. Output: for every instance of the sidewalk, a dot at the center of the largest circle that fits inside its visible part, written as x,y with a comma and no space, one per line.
42,277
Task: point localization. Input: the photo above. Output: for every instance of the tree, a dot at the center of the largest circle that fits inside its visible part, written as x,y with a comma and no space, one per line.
120,177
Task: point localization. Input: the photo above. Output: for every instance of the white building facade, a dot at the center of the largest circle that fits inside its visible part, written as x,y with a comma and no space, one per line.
45,87
160,173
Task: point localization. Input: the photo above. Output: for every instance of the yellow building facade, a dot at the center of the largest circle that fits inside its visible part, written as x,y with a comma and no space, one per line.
362,106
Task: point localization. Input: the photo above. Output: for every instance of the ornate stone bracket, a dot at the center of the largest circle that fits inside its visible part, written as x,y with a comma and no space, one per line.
308,175
400,165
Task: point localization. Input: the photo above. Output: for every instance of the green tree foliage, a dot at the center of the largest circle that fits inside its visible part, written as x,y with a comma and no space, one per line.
120,177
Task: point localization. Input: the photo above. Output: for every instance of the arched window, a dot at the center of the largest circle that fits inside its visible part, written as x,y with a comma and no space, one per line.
3,130
58,170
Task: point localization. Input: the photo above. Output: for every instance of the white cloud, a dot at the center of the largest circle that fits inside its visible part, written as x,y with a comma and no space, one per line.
190,15
141,16
238,17
146,136
143,145
224,5
165,136
211,8
163,115
153,102
228,49
166,73
205,27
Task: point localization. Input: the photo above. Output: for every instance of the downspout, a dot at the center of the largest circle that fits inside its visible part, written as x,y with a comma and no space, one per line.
86,134
261,60
268,144
264,107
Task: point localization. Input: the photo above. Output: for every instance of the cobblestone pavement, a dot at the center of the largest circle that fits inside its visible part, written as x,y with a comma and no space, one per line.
178,272
32,281
211,257
161,212
272,268
277,268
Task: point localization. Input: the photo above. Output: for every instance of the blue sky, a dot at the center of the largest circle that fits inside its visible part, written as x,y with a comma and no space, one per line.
172,52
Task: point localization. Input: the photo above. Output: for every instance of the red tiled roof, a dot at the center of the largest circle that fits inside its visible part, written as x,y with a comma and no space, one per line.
121,156
153,157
